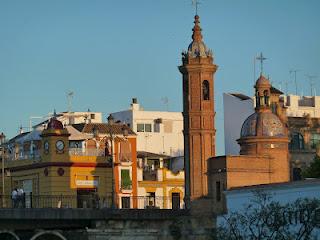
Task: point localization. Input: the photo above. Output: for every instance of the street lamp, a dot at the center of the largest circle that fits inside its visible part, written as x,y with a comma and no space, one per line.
2,140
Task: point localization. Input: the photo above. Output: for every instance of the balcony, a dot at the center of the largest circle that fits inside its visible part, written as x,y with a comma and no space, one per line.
25,155
86,152
149,174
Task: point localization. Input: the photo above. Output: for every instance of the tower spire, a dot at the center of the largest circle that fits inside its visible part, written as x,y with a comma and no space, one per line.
196,36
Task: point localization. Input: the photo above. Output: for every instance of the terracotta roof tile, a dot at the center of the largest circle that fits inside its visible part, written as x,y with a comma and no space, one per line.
103,128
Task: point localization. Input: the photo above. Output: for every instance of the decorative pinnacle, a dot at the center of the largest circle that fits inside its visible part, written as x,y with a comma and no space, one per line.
196,36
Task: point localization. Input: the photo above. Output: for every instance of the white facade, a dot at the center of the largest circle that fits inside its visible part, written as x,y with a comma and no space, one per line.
157,132
68,118
237,107
299,106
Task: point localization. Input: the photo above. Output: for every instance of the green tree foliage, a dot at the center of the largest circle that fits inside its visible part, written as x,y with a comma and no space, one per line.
264,219
313,171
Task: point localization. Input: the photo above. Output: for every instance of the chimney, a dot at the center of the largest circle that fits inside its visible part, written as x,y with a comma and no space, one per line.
21,130
135,105
134,100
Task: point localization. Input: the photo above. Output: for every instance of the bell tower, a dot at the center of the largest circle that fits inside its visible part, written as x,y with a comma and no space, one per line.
198,114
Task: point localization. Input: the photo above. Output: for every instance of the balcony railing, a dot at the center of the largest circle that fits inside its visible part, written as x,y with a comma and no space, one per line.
25,155
86,152
88,201
149,175
55,201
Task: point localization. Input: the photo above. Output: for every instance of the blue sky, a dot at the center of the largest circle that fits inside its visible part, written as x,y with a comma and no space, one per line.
107,52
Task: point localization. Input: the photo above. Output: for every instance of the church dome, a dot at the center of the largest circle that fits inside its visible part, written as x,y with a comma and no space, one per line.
262,81
54,124
197,48
267,121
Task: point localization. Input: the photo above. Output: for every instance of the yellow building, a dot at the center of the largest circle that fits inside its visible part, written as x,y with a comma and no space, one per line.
53,173
158,185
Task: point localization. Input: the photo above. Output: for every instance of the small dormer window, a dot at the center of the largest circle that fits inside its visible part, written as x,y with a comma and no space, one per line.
205,90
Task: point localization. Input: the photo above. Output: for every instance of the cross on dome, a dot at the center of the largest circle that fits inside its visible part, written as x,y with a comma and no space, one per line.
261,58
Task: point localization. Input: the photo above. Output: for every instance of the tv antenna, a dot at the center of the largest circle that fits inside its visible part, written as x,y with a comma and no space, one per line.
195,3
165,101
69,99
312,83
295,78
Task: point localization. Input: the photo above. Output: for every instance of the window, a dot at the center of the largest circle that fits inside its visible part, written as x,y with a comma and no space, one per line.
296,172
175,200
297,142
125,202
315,140
218,191
205,90
144,127
274,107
125,151
147,127
125,179
151,200
266,97
92,116
140,127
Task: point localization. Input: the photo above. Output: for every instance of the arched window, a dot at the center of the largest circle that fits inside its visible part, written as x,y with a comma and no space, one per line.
257,99
205,90
297,141
266,97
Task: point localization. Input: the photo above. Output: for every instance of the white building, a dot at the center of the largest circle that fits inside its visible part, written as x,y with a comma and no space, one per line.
69,118
299,106
157,131
237,107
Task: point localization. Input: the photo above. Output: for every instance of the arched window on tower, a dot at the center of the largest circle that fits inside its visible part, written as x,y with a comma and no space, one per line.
257,99
266,97
205,90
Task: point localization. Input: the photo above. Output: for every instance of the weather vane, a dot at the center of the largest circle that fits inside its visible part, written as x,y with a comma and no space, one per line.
261,58
196,3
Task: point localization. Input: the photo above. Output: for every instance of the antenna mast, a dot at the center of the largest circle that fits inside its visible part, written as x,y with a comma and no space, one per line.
295,78
311,82
165,101
69,99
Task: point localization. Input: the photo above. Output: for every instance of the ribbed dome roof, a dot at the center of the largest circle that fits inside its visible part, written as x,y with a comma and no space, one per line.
197,48
269,123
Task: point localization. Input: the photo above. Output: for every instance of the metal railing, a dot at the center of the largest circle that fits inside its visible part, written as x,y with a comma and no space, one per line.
55,201
150,175
90,201
86,152
25,155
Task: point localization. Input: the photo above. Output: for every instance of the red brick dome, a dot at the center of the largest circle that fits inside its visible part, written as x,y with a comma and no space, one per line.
54,124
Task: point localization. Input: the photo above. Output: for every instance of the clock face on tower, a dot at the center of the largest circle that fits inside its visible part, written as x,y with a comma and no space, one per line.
60,145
